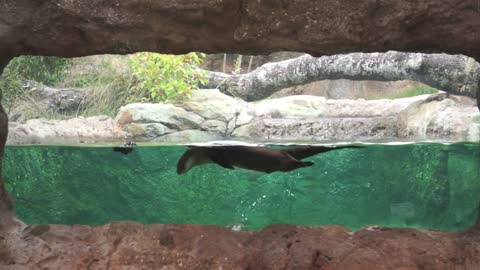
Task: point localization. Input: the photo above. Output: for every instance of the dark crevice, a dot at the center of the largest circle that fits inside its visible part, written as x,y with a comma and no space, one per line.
4,62
477,223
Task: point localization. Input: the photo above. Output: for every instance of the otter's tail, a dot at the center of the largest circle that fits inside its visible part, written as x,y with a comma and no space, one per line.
301,152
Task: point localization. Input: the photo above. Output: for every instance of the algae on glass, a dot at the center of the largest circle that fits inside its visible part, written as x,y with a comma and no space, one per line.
432,186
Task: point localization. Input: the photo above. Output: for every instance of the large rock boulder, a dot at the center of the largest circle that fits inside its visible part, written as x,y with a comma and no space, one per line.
440,117
320,130
308,118
207,115
71,131
304,118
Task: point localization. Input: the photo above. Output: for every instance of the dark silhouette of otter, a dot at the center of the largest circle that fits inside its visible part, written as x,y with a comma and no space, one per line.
126,148
254,158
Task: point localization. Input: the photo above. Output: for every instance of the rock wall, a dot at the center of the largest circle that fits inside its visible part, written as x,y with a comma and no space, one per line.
135,246
74,28
303,118
210,115
71,131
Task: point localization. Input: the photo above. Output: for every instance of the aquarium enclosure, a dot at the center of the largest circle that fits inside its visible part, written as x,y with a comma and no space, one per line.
243,135
417,185
99,138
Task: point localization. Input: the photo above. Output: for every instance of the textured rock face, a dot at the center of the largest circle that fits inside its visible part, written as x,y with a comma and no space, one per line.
47,99
73,28
76,130
135,246
303,118
347,89
210,115
289,118
440,118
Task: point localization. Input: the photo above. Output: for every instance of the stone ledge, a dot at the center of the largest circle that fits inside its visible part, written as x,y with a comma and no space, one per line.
293,118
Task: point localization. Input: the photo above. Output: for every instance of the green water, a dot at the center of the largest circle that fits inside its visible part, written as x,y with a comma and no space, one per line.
418,185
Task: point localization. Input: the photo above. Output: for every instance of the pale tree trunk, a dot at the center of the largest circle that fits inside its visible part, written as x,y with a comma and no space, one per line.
455,74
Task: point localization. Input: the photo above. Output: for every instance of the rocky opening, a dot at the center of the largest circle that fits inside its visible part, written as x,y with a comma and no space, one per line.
54,28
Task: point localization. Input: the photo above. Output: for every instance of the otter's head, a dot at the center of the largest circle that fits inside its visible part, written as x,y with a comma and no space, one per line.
194,156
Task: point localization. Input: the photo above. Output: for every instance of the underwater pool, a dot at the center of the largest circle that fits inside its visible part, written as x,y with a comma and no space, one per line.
425,185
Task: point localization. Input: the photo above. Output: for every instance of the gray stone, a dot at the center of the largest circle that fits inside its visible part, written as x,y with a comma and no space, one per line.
168,115
313,107
71,131
440,118
211,104
215,125
190,136
321,129
145,132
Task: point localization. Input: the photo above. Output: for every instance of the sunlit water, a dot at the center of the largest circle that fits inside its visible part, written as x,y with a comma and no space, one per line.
433,186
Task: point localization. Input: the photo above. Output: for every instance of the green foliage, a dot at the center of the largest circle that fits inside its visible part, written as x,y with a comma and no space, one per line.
107,83
107,98
43,69
113,81
166,77
11,90
237,65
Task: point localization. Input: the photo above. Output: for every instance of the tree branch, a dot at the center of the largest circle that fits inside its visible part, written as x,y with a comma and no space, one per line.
455,74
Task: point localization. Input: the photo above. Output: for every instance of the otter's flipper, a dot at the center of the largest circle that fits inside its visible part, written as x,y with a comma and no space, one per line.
301,152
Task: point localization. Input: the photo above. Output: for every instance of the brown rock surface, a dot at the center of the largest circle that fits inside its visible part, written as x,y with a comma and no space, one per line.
81,27
134,246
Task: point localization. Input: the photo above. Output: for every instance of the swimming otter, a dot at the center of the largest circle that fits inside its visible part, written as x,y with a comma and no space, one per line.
254,158
125,148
